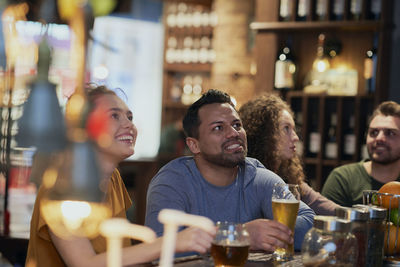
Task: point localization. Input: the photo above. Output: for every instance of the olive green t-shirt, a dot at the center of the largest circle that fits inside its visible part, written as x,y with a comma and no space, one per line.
345,184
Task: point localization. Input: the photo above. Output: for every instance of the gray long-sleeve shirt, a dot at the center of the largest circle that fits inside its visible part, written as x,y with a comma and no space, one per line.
179,185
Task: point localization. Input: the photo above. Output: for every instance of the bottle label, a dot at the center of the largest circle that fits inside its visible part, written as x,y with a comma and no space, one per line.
364,152
284,74
331,150
368,68
299,148
349,144
376,7
315,141
302,9
338,7
285,8
355,7
321,7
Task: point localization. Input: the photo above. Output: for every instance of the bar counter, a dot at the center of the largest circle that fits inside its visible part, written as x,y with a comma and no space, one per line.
254,260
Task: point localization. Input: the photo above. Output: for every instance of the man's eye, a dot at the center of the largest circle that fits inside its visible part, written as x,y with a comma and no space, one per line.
237,126
217,128
373,133
130,118
390,133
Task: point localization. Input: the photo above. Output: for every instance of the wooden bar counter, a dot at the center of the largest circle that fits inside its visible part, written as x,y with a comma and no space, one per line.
254,260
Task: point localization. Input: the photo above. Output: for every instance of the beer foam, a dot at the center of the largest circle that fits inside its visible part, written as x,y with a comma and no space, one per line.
286,201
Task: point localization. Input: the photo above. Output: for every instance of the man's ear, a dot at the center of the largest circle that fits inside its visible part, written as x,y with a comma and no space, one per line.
193,145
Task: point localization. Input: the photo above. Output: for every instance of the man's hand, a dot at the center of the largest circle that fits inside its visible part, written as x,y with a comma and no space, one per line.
194,239
267,235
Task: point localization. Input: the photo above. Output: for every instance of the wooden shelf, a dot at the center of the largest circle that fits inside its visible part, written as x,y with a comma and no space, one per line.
357,26
174,105
190,67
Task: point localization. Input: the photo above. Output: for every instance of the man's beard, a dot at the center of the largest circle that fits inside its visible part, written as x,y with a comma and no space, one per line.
389,159
226,160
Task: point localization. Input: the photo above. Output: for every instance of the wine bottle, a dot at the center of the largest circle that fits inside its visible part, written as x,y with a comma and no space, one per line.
356,9
374,9
321,10
303,10
331,144
370,62
285,10
285,68
314,143
299,126
321,62
349,148
338,9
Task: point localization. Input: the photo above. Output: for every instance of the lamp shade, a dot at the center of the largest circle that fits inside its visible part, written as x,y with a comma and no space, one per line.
74,202
42,124
78,174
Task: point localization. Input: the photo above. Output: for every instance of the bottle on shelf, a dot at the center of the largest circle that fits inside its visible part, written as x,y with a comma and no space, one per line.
349,145
285,68
285,10
321,63
356,9
364,150
370,64
338,9
374,9
331,142
321,10
314,142
299,126
303,10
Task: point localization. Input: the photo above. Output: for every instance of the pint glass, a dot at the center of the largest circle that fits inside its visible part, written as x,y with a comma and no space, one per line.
285,206
230,246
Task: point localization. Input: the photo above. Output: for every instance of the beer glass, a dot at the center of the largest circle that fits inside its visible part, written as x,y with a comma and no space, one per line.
285,206
230,246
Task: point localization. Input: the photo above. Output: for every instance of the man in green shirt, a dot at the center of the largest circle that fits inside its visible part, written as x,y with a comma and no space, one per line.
346,183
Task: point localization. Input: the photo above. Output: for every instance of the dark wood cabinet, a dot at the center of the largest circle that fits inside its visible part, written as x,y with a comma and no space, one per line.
316,110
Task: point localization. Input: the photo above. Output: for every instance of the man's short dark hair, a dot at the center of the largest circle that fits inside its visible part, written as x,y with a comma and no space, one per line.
191,120
387,108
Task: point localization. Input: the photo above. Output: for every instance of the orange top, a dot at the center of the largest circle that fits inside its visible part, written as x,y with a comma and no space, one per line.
42,252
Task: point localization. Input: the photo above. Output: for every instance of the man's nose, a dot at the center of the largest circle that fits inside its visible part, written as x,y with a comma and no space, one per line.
232,132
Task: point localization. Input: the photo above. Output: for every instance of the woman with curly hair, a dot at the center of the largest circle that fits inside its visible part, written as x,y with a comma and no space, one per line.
271,138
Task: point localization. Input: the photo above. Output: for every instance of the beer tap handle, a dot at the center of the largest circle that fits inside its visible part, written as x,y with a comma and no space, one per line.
115,229
171,220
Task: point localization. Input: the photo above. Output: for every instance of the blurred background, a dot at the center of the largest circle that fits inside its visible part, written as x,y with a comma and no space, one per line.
164,54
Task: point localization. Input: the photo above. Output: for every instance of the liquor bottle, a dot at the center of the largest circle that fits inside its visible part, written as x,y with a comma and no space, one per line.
303,10
321,62
370,62
285,10
321,10
314,142
285,68
338,9
356,9
331,144
349,148
299,126
374,9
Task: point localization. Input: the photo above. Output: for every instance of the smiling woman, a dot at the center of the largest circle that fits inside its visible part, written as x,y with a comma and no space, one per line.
110,124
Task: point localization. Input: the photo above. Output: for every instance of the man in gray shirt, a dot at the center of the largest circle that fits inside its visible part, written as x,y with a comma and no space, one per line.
219,181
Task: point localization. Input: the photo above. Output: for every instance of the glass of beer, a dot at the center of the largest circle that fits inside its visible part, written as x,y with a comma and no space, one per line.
285,206
230,246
